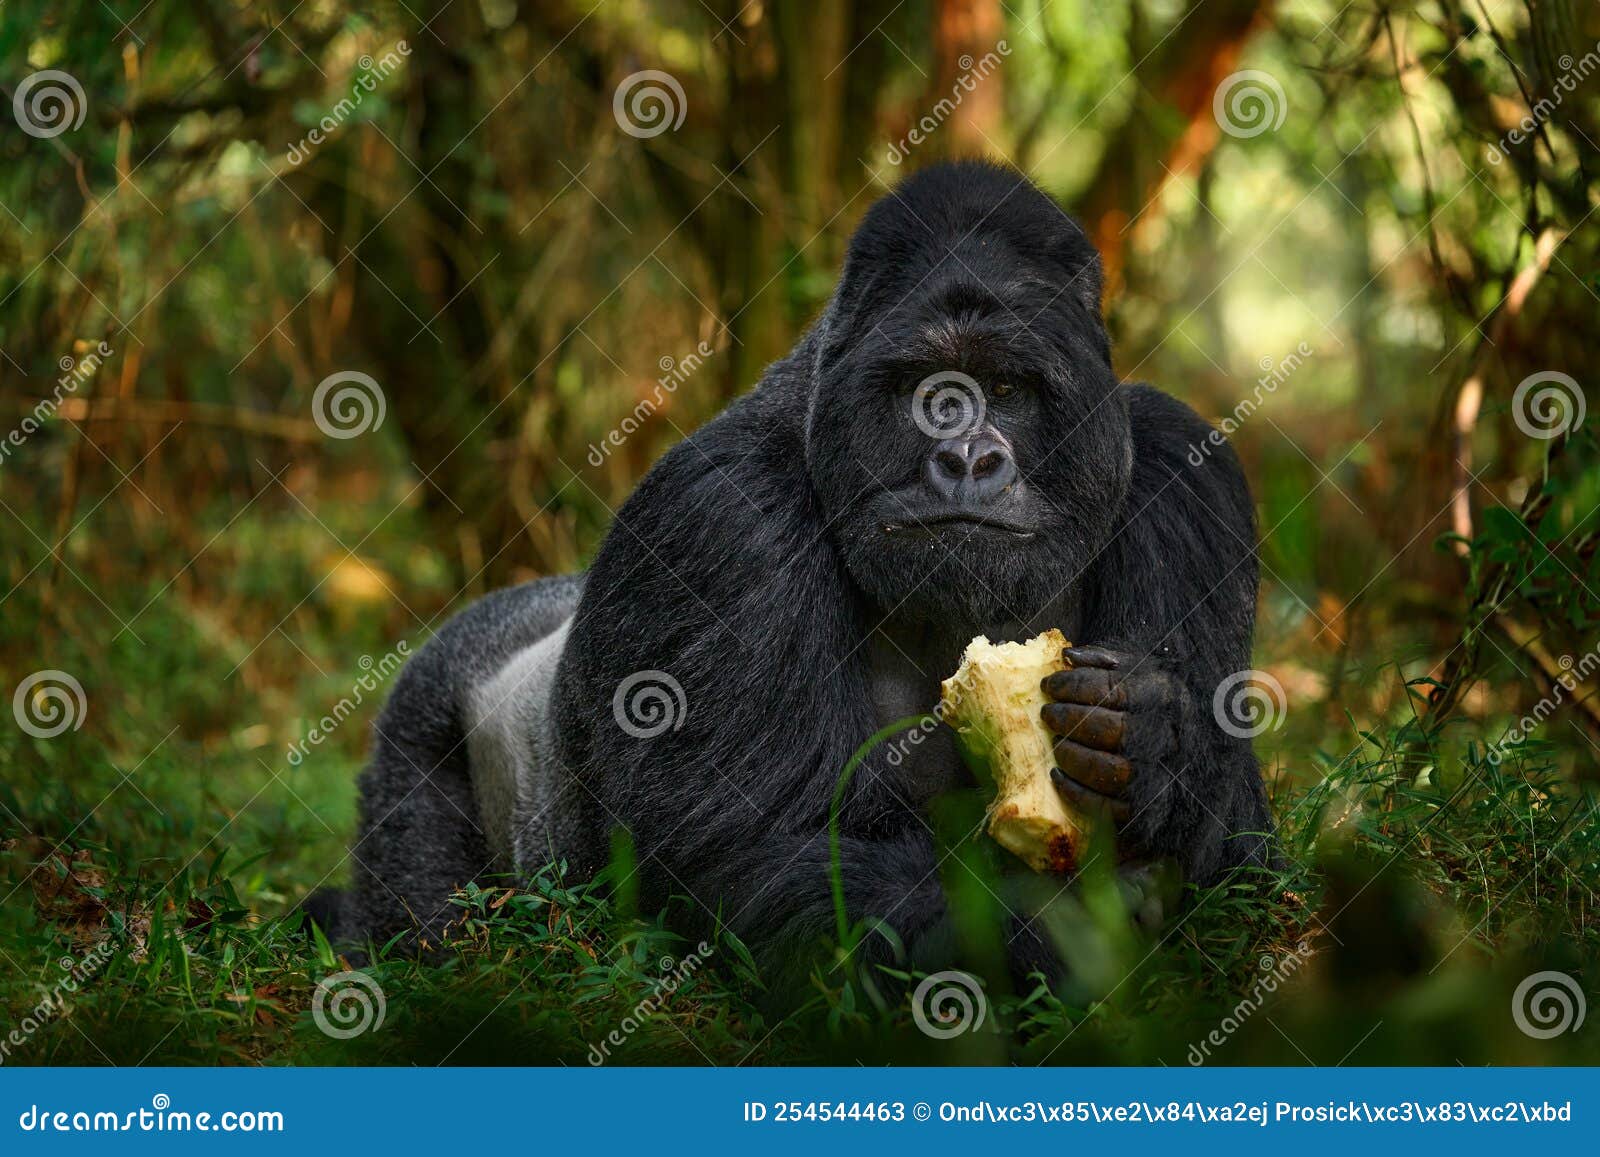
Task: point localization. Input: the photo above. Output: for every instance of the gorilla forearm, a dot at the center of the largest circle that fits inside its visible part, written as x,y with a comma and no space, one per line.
1172,600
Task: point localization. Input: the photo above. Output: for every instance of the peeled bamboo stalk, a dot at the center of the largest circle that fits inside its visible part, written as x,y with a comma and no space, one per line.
993,702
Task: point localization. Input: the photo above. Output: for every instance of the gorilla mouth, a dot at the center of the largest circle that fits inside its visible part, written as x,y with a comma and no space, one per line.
934,523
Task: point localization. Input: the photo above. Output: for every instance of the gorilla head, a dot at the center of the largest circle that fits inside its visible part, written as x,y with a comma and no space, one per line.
964,432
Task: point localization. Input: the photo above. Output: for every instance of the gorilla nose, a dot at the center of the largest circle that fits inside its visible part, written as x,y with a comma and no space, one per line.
974,468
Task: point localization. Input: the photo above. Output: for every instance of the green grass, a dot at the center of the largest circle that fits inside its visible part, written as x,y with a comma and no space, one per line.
173,831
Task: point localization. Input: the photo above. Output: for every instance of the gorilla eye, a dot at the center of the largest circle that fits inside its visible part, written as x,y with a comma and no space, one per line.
1003,390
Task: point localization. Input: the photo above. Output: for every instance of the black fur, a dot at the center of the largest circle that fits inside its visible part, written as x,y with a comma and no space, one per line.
753,566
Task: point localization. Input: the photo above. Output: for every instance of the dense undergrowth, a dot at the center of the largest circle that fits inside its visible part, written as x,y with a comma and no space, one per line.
154,856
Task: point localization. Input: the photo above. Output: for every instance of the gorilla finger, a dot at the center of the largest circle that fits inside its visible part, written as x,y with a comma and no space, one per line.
1091,726
1090,686
1099,770
1092,657
1087,801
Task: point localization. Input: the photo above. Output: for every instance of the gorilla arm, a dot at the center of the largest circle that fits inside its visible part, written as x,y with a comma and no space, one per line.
1169,612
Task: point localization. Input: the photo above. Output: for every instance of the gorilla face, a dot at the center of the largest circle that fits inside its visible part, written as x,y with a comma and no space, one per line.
965,432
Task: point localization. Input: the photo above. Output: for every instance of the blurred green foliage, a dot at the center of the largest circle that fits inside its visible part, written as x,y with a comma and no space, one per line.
519,274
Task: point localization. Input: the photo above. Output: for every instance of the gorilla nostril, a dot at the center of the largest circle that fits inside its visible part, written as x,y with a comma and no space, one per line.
951,463
988,463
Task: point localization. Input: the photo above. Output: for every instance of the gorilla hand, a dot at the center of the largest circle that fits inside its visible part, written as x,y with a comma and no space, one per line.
1106,705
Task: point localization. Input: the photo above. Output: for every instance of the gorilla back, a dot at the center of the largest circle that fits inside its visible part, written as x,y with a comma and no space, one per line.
945,453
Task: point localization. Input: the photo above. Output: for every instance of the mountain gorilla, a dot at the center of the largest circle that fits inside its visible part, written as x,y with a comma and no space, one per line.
945,453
